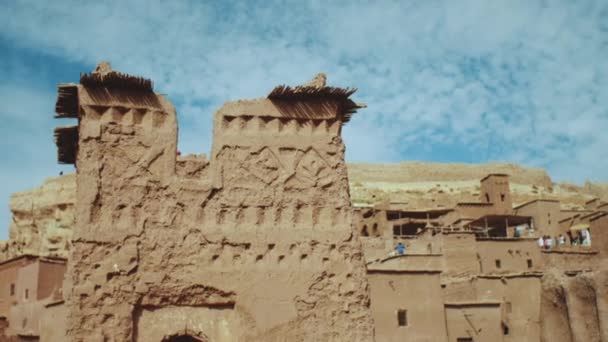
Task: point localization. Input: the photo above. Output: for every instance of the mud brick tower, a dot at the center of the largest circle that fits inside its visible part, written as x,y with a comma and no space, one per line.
257,245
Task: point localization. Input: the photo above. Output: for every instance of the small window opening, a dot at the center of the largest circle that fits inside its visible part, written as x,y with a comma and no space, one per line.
12,289
505,329
27,293
529,261
502,197
402,318
392,215
411,228
487,198
364,231
464,339
375,229
497,262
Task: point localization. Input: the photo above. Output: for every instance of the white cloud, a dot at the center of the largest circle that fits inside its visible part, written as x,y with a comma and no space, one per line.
525,81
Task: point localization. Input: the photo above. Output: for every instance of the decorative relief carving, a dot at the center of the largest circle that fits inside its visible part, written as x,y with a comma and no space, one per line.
287,126
298,169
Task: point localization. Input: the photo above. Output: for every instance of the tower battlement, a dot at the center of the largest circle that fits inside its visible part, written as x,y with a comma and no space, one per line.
202,250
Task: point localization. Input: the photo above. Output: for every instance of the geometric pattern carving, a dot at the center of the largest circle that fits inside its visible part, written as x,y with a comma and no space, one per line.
249,170
124,115
267,124
301,170
311,170
264,165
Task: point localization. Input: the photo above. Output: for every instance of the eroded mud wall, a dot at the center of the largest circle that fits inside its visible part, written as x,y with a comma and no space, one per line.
573,306
555,323
262,249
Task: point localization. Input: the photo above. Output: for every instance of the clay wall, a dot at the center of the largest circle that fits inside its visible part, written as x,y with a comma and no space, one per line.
458,289
505,255
50,278
545,215
598,229
371,223
3,327
24,318
427,242
564,214
601,297
555,323
450,217
264,247
574,306
472,211
581,299
8,278
477,321
408,262
27,283
460,256
9,274
574,258
376,248
53,323
417,293
520,295
495,190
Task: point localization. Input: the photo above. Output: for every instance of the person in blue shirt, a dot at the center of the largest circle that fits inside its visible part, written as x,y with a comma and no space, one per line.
400,248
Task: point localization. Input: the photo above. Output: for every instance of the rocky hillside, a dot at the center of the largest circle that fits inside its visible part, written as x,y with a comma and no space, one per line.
43,217
442,185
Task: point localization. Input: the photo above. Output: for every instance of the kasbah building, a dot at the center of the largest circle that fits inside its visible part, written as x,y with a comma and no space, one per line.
262,243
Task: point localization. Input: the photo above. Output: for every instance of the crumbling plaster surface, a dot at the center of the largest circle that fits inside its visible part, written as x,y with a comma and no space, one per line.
573,307
42,220
262,247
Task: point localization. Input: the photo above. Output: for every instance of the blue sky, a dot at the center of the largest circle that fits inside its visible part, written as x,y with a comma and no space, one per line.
451,81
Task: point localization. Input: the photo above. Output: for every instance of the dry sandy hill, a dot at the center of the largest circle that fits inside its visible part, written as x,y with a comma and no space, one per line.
422,184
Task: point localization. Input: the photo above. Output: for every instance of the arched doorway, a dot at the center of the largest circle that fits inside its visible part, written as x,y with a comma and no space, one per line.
182,338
